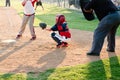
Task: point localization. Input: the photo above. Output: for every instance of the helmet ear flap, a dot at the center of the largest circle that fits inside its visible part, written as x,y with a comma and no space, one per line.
60,19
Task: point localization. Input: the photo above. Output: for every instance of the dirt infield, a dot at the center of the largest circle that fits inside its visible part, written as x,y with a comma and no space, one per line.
35,56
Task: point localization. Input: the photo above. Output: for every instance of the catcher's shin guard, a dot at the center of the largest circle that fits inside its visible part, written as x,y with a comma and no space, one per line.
55,38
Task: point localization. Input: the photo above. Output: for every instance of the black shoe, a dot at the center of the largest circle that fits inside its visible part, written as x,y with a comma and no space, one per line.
108,50
18,36
59,45
93,54
33,38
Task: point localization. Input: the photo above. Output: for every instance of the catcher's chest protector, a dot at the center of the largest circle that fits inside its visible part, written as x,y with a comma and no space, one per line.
64,31
60,28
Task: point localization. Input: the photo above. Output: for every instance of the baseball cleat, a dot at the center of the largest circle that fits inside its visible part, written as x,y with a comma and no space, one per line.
18,36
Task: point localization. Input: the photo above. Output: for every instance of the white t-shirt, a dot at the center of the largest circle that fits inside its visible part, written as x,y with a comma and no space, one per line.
28,8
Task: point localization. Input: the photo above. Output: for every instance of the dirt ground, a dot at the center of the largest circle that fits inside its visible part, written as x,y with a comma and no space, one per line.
35,56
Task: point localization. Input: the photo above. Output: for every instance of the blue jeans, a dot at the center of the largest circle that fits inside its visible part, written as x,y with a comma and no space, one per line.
107,27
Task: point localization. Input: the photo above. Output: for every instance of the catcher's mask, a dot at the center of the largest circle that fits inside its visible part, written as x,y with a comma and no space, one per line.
60,19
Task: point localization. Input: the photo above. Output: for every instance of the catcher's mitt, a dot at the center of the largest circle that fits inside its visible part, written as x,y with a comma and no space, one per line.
43,25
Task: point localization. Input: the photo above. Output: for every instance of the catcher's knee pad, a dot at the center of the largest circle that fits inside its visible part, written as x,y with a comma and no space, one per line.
53,34
55,38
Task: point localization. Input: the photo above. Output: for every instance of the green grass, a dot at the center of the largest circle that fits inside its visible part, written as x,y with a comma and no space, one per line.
108,69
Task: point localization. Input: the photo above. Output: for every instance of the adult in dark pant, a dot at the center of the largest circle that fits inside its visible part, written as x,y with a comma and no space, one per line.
109,18
7,3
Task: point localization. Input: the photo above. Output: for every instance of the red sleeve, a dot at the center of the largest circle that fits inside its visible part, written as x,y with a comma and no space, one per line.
23,3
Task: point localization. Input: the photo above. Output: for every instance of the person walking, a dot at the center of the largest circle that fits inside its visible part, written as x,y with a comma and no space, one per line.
39,3
29,14
109,17
7,3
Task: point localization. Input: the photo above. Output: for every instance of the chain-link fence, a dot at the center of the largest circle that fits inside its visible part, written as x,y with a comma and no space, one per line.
64,3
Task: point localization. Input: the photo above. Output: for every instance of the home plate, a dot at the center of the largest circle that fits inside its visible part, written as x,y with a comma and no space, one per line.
8,41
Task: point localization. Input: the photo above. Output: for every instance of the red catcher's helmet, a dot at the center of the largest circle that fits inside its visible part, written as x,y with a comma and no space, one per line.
60,19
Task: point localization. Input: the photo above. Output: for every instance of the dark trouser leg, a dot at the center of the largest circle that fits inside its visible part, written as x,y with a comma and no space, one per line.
111,39
98,40
6,4
55,38
9,3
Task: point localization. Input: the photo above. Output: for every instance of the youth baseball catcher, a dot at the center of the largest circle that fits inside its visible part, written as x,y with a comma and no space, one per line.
63,31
